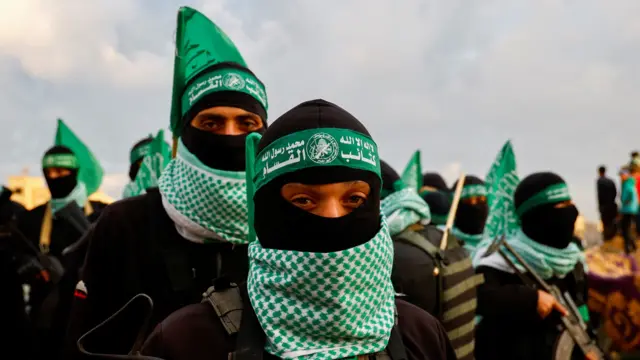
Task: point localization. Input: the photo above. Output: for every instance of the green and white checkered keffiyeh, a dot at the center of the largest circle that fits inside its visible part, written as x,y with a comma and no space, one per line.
471,241
403,209
546,261
205,203
322,306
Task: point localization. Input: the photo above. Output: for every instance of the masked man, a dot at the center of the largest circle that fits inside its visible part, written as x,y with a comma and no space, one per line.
171,242
472,213
423,273
52,233
137,153
319,286
520,321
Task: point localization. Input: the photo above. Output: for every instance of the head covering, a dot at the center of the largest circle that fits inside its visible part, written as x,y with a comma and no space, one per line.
401,204
470,219
439,203
535,198
391,181
61,157
209,71
137,153
320,287
280,224
434,180
63,189
204,187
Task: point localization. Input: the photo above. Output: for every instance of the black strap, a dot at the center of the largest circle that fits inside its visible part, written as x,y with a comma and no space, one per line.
134,353
395,347
439,259
251,337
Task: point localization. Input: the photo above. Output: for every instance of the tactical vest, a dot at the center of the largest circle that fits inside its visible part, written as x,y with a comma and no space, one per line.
456,283
233,308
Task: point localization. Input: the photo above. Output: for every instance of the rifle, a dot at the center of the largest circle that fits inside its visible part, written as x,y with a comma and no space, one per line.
50,268
73,214
574,330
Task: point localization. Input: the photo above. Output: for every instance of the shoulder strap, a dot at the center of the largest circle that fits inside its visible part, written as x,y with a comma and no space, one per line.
251,337
414,238
438,256
47,224
228,306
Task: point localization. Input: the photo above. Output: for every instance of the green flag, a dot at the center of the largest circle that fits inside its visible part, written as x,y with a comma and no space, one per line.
151,167
412,174
200,44
501,182
90,172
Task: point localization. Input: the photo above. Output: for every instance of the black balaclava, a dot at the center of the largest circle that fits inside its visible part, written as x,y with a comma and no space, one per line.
137,160
434,180
439,203
62,186
470,219
281,225
390,179
545,224
222,152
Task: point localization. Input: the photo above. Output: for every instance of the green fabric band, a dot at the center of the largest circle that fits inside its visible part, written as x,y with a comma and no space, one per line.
139,152
223,80
552,194
66,161
316,147
584,313
473,190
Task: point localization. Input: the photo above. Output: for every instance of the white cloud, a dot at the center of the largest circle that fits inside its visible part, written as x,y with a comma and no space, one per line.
454,78
113,184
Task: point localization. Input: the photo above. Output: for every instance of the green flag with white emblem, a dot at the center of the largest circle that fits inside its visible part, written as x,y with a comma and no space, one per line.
90,171
412,174
501,182
200,45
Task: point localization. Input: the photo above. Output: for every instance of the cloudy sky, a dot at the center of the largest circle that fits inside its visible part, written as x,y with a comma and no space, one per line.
454,78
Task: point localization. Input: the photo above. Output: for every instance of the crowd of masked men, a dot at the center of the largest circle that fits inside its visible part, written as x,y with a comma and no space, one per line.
285,239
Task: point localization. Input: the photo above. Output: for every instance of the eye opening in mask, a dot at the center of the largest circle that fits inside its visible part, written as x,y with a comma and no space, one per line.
56,172
563,204
226,120
327,200
474,200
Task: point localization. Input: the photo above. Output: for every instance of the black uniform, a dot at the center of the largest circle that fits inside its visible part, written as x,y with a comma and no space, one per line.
13,317
50,321
511,327
135,248
607,206
196,332
442,283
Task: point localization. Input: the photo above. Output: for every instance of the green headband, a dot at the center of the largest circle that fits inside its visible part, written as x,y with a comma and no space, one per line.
139,152
66,161
473,190
552,194
226,79
316,147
